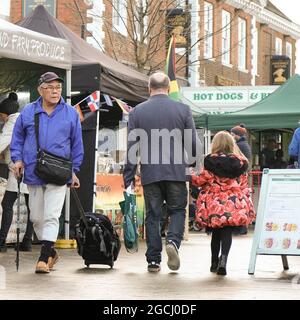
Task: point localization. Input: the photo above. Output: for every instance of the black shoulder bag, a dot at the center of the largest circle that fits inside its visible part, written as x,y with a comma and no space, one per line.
49,167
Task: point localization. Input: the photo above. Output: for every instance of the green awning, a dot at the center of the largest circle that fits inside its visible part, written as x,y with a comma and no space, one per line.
281,109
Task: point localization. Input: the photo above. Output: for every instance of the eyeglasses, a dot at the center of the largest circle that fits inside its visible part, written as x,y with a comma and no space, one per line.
51,88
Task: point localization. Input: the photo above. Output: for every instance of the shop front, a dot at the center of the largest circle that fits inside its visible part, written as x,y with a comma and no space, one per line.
270,123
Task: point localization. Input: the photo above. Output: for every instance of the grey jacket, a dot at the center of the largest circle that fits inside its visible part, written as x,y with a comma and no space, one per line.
160,115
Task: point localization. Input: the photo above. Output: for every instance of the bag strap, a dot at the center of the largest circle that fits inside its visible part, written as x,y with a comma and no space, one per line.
37,126
79,207
37,130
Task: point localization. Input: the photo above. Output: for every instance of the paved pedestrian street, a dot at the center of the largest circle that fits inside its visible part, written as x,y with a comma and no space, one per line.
130,280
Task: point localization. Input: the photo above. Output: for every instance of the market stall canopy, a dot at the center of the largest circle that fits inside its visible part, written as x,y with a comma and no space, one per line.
24,52
22,44
281,109
91,68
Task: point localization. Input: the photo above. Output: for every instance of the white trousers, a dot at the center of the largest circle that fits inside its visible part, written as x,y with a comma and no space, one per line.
45,203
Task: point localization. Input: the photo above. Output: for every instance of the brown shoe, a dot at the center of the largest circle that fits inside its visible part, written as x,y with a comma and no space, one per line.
42,267
52,261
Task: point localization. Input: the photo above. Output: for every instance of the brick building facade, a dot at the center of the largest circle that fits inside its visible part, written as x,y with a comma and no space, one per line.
255,29
231,41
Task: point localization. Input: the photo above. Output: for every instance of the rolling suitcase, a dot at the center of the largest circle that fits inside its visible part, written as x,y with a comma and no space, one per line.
97,241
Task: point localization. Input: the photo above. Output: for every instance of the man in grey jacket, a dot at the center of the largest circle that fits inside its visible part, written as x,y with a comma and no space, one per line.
163,132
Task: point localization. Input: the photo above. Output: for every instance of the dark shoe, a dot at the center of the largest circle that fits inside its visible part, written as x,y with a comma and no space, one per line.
153,266
222,265
173,257
3,247
25,246
214,265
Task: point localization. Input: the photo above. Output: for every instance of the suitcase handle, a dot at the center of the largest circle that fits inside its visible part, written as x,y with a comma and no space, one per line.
79,207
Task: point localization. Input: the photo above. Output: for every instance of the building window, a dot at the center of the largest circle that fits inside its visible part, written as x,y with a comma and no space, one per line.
226,30
242,43
278,46
141,19
289,53
208,30
119,16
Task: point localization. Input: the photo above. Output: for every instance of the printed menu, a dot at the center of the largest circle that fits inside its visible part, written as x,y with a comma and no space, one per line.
281,223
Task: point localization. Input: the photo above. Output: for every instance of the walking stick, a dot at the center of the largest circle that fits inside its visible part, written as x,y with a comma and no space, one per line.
18,223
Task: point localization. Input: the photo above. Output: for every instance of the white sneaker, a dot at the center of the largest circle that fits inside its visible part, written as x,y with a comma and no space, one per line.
173,257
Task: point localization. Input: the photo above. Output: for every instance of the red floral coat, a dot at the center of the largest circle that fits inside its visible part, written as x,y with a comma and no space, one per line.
224,198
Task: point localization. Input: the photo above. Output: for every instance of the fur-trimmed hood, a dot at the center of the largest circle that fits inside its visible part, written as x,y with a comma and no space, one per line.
226,166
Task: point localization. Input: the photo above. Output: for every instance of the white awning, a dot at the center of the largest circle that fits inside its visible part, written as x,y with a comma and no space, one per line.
23,44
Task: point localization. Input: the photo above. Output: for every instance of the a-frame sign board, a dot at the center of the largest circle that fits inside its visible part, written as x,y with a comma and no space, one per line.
277,227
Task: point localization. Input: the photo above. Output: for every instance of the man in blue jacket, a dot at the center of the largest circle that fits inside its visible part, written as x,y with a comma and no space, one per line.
60,134
294,147
164,132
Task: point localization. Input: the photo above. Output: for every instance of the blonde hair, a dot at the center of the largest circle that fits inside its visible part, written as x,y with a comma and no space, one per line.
224,142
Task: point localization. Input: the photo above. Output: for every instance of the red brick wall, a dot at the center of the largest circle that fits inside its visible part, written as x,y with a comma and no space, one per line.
66,13
15,10
209,69
121,48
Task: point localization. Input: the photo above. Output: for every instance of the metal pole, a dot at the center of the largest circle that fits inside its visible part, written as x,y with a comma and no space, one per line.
96,158
67,199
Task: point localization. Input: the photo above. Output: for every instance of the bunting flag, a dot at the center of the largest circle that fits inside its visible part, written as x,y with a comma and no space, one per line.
93,101
88,104
171,70
124,106
108,100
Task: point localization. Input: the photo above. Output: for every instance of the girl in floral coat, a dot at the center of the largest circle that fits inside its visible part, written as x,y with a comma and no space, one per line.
224,200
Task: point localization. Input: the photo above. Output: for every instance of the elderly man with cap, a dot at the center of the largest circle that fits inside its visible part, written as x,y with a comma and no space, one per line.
8,114
59,134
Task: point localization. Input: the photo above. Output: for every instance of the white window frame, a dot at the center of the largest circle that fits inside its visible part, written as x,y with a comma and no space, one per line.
226,37
119,16
242,44
278,46
208,29
289,53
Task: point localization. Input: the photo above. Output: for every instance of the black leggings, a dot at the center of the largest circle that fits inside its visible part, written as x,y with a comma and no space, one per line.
220,237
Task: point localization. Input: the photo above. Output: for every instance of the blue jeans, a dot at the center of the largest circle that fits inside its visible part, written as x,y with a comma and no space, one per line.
175,195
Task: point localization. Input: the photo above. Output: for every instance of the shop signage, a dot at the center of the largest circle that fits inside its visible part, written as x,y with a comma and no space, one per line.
177,22
277,227
223,99
280,69
30,5
19,43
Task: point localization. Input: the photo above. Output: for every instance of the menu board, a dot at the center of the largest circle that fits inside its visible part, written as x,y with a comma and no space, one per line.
277,228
